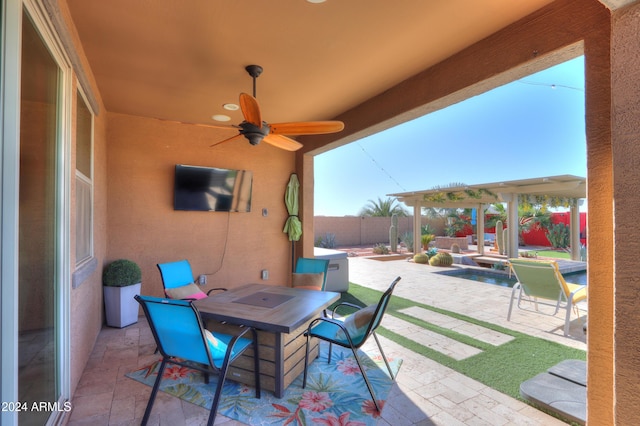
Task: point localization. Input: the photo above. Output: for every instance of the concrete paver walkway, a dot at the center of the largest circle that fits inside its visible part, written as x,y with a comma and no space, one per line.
428,393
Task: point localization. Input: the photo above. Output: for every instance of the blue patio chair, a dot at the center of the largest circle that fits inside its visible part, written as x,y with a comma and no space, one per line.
307,273
352,333
178,282
181,337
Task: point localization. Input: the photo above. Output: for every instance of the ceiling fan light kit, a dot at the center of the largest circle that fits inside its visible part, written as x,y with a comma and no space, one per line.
255,130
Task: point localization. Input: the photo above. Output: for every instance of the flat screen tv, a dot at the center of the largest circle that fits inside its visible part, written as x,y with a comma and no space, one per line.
212,189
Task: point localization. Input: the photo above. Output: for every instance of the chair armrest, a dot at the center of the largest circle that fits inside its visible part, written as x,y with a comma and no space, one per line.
337,323
351,305
576,290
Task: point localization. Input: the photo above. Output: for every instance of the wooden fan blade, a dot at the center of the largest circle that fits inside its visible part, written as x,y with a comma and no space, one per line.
226,140
231,127
250,109
307,128
282,142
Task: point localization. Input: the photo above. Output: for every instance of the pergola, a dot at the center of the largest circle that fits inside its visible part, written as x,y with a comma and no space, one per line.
565,190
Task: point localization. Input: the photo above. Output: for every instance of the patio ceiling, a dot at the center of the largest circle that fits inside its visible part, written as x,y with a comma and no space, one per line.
562,187
183,60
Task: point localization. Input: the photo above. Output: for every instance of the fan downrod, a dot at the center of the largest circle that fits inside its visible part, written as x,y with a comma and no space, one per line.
254,71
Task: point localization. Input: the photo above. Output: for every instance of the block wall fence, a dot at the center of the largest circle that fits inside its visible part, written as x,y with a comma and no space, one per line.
357,230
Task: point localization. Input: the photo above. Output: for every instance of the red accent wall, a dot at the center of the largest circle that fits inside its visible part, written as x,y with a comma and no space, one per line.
538,237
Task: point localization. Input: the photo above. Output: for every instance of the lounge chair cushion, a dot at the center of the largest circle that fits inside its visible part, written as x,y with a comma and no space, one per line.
356,323
217,347
308,281
189,291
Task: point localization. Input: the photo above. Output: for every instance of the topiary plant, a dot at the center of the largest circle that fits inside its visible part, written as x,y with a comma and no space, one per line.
121,273
421,258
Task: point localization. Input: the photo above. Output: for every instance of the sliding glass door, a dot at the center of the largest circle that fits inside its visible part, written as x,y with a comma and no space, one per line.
40,258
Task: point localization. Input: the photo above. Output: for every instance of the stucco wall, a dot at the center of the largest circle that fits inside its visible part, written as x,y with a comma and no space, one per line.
626,178
143,226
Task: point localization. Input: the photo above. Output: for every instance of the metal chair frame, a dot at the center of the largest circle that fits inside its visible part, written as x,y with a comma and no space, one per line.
168,357
350,344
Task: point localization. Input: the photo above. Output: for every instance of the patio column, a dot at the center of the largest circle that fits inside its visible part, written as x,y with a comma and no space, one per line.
574,229
480,228
417,225
512,224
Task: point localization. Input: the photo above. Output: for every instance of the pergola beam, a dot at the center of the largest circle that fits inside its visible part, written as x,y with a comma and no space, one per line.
567,187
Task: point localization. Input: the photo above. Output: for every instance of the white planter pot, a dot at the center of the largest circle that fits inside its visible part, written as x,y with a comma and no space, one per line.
121,309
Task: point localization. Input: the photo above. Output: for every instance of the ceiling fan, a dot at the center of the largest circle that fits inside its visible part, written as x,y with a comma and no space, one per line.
256,130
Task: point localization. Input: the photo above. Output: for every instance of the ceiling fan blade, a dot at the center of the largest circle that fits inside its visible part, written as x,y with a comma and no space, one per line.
307,128
250,109
231,127
282,142
226,140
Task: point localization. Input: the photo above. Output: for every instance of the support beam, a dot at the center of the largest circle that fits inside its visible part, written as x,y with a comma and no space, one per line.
480,227
512,226
574,229
417,225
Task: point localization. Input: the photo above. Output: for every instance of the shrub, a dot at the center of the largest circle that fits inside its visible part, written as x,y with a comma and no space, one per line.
425,239
558,235
328,241
407,239
380,248
432,252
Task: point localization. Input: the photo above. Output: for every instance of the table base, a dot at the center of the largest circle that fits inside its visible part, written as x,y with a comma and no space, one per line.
281,357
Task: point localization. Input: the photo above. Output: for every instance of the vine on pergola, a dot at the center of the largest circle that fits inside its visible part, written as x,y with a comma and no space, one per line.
444,196
546,201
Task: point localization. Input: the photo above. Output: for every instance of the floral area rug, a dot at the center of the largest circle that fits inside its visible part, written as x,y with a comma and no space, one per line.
336,393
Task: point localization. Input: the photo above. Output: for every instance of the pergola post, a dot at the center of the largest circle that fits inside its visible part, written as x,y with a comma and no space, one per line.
574,229
512,225
417,225
480,228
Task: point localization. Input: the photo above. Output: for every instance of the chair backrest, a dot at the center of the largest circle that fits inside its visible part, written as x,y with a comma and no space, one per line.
540,278
381,308
177,328
176,274
306,265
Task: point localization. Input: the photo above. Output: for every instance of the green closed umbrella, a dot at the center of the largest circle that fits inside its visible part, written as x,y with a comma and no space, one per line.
292,226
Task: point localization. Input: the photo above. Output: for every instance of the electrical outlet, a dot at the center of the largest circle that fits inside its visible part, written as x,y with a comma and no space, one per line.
265,274
202,280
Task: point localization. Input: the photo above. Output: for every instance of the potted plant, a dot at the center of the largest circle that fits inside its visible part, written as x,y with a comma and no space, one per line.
121,280
426,239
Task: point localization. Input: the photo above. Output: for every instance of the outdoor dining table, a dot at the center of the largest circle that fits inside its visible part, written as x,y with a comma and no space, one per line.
281,315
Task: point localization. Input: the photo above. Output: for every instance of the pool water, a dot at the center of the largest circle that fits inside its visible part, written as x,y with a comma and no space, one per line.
505,281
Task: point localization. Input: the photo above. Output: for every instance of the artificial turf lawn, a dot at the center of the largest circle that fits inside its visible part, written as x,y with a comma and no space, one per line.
502,367
552,253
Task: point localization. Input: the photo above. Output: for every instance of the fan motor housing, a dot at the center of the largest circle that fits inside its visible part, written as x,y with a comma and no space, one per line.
253,133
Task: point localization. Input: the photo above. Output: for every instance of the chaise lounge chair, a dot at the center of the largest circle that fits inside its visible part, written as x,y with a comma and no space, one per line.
539,279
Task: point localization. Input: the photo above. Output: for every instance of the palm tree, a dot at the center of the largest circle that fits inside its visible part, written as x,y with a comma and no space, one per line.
383,208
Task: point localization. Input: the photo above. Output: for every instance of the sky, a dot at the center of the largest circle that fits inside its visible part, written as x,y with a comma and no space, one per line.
529,128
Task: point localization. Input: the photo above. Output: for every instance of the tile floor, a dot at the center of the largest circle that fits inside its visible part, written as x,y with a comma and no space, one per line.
426,393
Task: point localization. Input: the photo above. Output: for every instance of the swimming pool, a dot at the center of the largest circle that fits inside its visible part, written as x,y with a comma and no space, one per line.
504,280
